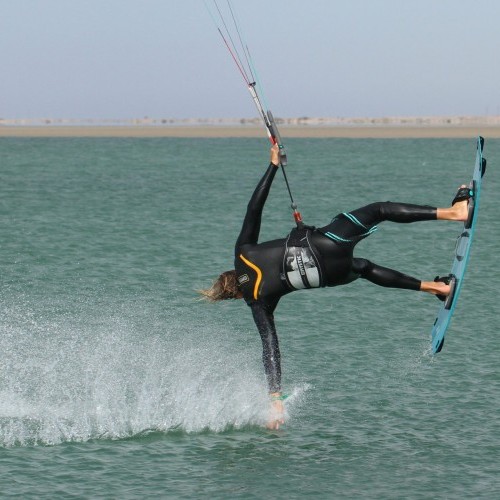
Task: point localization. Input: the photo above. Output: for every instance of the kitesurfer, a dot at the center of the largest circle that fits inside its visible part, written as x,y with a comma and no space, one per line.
314,257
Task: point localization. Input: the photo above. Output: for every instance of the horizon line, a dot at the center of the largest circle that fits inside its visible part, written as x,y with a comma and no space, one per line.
304,121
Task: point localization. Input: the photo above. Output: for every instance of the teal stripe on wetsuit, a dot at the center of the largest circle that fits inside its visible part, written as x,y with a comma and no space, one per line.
355,221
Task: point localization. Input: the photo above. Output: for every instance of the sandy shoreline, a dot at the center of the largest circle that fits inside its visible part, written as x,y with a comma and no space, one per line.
378,131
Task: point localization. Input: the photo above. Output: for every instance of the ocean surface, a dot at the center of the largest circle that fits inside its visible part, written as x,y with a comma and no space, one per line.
117,382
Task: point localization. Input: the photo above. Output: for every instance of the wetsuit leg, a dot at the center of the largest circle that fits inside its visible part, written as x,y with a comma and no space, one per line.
375,213
359,221
270,347
384,276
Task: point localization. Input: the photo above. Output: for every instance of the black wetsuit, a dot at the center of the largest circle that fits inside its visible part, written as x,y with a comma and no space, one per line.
309,259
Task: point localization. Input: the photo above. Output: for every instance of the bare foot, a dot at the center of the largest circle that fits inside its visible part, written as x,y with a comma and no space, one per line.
435,287
461,208
458,212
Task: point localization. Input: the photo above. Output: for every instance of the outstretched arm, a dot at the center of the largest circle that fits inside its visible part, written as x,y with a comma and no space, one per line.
271,357
251,224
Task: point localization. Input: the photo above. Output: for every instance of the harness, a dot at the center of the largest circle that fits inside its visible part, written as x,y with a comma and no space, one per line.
302,265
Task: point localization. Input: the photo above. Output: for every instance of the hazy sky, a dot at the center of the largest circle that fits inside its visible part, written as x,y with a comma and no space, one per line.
165,58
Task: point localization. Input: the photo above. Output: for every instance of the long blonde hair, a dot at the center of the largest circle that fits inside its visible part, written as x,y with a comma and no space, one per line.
223,288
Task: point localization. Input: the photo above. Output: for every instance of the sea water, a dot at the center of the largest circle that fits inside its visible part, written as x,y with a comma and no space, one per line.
117,382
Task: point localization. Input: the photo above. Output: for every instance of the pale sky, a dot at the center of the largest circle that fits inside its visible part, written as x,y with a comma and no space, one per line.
121,59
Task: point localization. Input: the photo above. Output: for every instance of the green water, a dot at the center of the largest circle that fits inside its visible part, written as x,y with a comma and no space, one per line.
115,382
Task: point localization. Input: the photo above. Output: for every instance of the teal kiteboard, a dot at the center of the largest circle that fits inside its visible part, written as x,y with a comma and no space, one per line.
462,250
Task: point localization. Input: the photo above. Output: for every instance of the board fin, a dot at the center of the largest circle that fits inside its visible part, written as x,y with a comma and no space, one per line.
483,166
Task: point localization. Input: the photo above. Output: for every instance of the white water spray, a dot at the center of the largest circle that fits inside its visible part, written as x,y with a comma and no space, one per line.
106,377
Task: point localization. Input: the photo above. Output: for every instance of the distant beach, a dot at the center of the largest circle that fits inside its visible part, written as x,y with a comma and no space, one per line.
388,127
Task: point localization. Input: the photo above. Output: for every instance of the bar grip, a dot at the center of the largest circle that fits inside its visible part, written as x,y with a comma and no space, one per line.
276,135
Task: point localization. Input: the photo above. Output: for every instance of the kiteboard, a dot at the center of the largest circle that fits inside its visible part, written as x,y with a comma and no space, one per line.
462,250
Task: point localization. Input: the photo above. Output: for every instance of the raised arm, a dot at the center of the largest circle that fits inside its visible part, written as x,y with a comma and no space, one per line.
251,225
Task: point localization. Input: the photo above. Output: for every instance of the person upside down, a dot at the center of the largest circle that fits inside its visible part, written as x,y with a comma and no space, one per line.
314,257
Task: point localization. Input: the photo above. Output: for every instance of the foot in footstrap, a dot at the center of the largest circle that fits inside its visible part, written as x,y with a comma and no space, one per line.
451,280
463,194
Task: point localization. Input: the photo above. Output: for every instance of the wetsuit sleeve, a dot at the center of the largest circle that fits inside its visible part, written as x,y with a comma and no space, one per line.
270,347
251,225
